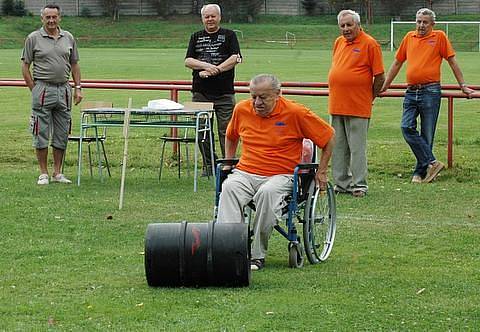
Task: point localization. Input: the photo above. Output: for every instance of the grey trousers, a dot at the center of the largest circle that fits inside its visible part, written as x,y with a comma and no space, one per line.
349,159
267,192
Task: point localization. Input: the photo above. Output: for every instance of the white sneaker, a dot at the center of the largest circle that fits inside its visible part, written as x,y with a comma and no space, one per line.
42,179
60,178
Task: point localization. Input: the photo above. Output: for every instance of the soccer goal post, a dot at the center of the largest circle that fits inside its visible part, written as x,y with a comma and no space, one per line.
445,23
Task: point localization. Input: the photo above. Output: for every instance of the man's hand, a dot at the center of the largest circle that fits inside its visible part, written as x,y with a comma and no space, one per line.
210,71
383,88
466,90
77,96
321,180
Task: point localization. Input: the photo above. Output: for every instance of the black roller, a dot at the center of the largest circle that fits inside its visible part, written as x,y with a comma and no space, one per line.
197,254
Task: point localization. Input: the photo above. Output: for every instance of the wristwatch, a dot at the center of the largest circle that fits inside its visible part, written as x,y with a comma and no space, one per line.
78,87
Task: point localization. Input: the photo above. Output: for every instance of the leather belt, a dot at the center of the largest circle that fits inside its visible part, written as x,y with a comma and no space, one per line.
421,86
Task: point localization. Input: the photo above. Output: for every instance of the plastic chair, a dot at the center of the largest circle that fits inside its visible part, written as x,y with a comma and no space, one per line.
89,139
185,138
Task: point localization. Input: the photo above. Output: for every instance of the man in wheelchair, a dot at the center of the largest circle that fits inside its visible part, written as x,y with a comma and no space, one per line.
271,129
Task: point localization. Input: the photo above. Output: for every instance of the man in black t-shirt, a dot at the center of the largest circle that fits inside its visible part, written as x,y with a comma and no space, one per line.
212,55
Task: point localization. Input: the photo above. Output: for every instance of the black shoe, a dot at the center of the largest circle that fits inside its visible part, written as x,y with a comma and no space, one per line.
207,172
257,264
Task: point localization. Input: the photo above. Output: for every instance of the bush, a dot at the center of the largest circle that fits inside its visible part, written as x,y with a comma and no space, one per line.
7,7
19,8
13,8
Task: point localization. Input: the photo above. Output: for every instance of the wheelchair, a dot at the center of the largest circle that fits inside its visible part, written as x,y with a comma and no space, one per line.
307,205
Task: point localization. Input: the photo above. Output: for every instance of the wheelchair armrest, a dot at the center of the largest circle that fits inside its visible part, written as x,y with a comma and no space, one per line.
223,172
302,177
308,166
227,162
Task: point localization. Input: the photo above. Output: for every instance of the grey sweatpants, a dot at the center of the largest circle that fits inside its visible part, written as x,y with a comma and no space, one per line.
349,159
267,192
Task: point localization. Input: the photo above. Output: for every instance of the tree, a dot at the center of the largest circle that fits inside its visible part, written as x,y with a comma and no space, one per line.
163,7
230,9
252,8
309,6
395,7
13,8
338,5
369,11
112,8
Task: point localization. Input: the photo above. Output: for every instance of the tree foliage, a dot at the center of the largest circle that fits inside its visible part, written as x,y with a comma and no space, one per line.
233,10
394,8
252,8
163,7
309,6
230,10
13,8
112,8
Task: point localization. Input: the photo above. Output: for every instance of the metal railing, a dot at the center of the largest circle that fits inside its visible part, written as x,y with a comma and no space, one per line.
449,91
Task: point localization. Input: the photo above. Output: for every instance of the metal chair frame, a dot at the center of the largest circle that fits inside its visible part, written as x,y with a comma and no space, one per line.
307,205
100,138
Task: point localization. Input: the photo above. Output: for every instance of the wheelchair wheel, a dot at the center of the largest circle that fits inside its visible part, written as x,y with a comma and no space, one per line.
295,255
320,223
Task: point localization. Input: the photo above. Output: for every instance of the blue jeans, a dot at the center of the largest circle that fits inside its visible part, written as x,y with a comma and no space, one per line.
426,103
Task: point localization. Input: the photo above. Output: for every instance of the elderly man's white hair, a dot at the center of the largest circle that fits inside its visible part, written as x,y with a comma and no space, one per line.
272,79
214,5
354,14
426,12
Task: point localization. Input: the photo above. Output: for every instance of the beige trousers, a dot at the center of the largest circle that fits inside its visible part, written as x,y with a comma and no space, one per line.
268,194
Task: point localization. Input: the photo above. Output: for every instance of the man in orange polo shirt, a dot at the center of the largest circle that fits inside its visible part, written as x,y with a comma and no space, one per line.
424,49
271,129
355,78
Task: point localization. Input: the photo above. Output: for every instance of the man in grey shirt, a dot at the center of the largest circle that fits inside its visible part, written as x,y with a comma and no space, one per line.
54,55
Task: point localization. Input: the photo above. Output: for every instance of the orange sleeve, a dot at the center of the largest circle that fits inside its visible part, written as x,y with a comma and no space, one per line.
401,54
446,48
232,128
376,60
316,129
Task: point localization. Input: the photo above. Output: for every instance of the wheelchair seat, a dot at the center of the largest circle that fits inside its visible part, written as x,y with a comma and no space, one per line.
307,205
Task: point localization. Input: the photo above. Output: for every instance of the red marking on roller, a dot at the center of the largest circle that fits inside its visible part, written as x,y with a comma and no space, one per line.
42,98
196,240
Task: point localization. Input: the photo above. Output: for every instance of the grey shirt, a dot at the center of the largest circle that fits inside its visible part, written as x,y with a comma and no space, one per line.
52,59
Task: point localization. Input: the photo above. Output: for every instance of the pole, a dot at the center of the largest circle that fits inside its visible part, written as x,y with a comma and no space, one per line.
450,133
391,35
126,125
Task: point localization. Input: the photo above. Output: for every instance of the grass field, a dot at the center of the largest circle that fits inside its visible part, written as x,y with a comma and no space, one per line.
268,32
406,257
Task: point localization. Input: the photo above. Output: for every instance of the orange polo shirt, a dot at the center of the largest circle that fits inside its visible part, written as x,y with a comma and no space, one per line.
350,80
424,55
273,145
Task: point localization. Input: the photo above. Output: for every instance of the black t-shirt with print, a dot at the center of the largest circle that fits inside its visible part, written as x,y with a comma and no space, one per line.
213,48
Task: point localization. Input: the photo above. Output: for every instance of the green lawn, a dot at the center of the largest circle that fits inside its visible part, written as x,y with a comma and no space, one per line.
406,257
313,33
